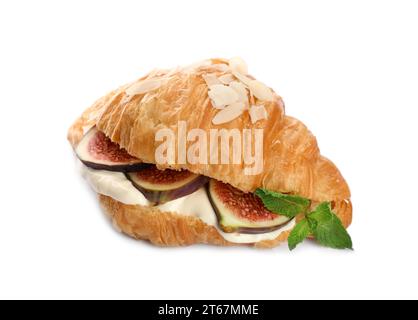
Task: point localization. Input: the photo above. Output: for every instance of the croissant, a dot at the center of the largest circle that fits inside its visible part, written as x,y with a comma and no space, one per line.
134,114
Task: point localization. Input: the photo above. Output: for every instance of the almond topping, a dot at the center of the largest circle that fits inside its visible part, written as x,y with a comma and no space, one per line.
197,65
261,91
144,86
257,112
222,95
211,79
237,64
173,71
157,73
228,114
220,67
241,90
244,79
226,78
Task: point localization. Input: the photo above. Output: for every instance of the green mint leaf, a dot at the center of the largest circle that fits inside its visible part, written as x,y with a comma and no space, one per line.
298,234
312,223
328,229
283,204
322,213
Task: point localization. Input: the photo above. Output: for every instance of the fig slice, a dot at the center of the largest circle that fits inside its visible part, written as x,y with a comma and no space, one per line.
242,212
161,186
97,151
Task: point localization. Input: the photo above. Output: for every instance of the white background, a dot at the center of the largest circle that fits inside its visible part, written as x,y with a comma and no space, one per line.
348,69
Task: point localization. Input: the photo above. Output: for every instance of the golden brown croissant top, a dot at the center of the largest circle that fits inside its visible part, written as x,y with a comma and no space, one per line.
291,158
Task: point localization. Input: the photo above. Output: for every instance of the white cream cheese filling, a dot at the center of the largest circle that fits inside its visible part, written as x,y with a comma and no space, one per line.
197,204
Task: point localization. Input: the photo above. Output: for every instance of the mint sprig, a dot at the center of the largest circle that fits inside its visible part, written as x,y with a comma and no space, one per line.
328,229
322,223
284,204
299,233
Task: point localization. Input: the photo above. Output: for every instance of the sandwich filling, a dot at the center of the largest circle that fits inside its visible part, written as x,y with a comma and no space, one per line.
196,204
238,217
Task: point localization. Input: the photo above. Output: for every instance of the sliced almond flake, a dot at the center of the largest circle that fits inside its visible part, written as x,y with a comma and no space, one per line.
220,67
157,73
226,78
257,112
239,65
173,71
144,86
222,95
244,79
261,91
228,114
241,90
211,79
197,65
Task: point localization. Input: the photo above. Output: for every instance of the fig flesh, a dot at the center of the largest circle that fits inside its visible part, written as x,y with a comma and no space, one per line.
242,212
97,151
161,186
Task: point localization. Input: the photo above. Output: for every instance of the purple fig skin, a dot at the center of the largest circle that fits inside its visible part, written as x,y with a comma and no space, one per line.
247,230
244,230
118,160
133,167
161,197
